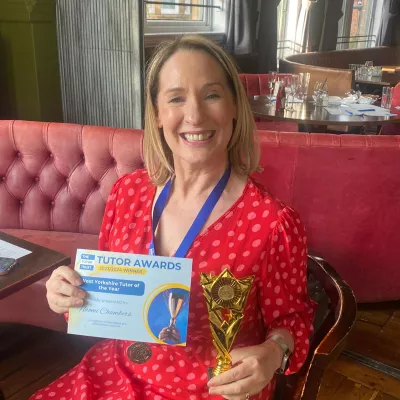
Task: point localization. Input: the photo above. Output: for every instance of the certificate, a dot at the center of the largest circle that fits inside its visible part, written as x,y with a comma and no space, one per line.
133,297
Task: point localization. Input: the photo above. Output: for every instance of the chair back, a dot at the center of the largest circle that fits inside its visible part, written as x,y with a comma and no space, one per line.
396,96
257,84
335,317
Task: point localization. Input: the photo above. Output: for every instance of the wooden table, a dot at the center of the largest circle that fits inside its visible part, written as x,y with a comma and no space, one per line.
307,115
32,267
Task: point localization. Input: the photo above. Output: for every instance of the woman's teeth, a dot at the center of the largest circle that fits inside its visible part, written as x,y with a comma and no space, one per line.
197,137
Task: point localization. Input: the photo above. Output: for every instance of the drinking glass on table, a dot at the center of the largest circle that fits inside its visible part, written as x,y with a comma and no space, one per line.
291,85
271,84
369,65
304,81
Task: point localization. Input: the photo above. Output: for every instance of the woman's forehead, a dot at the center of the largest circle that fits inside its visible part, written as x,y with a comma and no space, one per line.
191,66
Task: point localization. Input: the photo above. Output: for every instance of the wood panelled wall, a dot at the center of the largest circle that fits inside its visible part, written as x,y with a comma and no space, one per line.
100,44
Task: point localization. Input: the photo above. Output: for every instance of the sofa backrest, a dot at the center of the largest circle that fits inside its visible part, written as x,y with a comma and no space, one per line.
342,58
346,189
58,176
339,81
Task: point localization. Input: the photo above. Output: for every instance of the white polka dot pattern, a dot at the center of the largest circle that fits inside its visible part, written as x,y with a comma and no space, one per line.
256,236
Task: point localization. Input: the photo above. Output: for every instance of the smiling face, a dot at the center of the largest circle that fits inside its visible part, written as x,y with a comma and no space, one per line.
195,108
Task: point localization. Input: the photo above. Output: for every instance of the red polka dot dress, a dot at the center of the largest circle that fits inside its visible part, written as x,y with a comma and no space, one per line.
256,236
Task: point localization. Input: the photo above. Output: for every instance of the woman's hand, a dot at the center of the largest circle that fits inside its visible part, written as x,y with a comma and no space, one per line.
62,290
253,368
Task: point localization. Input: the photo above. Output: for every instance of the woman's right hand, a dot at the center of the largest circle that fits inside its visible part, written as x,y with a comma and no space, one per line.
62,290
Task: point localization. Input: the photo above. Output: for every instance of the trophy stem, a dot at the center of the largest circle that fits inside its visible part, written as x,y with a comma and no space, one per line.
223,364
221,367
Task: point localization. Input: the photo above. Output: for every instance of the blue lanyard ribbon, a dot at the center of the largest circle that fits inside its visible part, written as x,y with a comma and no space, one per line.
199,221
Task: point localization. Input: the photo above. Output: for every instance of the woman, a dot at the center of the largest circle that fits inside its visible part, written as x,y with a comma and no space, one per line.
199,128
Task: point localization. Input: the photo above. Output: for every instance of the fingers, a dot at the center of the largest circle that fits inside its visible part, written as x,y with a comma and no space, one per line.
61,304
68,274
233,389
59,286
246,377
233,375
62,290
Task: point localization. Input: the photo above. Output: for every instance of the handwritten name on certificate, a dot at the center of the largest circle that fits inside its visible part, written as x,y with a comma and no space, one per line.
133,297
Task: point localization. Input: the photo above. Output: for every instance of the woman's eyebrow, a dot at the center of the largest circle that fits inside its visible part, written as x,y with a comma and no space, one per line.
213,84
180,89
175,89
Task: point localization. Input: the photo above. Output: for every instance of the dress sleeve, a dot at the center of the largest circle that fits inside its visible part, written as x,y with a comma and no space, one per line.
109,216
284,298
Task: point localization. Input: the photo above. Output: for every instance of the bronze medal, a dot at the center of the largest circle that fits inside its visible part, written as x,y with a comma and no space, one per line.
139,352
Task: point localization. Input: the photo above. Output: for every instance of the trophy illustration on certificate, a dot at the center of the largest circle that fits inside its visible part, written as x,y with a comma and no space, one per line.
174,302
226,299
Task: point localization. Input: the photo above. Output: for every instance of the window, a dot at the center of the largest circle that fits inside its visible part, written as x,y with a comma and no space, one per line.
292,19
163,18
360,23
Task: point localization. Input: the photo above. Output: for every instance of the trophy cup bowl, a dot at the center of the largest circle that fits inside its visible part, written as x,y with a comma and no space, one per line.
226,299
175,302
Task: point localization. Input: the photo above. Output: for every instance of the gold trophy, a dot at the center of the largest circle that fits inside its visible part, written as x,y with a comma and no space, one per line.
226,299
174,302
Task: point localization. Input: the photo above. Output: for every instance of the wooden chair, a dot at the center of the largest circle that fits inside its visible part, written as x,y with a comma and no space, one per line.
335,318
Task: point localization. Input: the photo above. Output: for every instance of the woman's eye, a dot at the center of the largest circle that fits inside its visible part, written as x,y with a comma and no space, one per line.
176,100
213,96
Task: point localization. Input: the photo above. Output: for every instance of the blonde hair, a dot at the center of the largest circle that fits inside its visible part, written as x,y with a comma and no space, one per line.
243,148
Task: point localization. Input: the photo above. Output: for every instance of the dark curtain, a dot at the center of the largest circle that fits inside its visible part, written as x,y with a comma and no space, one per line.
389,31
324,24
242,35
267,37
241,27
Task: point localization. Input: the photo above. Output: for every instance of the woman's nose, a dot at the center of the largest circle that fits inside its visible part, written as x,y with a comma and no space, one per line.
194,112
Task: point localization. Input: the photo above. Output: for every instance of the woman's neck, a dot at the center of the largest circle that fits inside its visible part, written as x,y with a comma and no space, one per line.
194,182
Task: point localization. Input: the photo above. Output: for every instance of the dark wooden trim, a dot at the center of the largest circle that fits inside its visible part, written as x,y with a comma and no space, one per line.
376,365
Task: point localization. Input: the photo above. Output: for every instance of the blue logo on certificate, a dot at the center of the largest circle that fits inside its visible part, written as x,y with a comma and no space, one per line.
133,297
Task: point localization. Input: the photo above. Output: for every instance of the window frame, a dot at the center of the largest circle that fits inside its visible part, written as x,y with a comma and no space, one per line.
165,27
157,31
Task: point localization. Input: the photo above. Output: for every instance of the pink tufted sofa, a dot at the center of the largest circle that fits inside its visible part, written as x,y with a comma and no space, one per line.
55,179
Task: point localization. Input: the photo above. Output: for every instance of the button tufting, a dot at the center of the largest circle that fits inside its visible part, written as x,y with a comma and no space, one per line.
18,154
51,155
37,179
3,178
21,202
83,205
52,203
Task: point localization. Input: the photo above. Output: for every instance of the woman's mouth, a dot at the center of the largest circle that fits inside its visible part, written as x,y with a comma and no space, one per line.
194,137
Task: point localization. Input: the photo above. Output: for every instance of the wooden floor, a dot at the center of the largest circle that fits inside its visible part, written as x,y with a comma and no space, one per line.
31,357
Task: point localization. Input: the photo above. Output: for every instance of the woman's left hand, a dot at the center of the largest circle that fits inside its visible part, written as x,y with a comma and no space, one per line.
253,368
